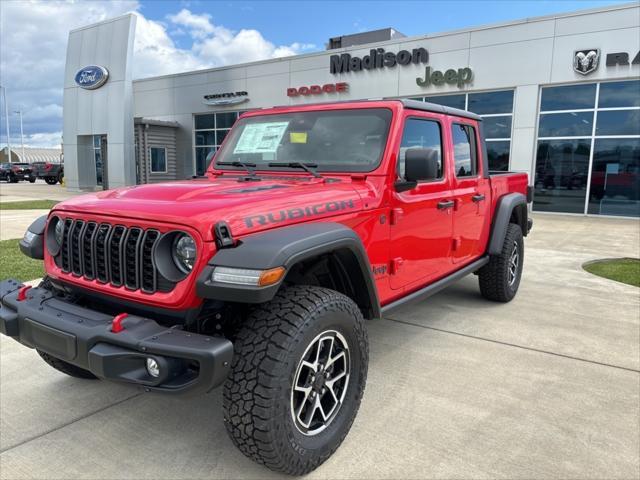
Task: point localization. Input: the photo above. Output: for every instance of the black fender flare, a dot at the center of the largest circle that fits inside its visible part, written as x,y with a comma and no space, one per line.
286,247
505,207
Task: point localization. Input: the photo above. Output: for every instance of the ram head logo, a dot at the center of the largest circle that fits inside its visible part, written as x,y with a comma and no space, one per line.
586,61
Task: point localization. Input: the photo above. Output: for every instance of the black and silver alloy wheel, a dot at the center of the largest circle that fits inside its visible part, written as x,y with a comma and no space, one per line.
514,264
500,278
297,378
320,383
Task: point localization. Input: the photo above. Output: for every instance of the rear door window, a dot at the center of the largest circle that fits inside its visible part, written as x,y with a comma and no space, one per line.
464,150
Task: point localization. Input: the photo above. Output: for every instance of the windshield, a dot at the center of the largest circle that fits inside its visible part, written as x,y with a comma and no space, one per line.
334,140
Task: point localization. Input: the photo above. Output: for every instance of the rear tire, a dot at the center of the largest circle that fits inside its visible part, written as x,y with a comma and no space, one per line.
66,368
51,180
32,180
306,347
500,278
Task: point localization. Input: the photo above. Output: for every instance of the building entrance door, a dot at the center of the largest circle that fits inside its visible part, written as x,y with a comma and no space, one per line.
102,163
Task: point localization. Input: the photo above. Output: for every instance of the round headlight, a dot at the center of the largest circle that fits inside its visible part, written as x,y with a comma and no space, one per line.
184,252
59,231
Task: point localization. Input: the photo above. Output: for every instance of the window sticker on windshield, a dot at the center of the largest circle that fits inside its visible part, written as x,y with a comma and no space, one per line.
298,137
261,137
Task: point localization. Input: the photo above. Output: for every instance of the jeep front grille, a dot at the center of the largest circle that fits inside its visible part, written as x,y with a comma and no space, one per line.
112,254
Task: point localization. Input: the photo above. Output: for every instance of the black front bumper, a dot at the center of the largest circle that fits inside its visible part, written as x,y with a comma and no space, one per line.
189,363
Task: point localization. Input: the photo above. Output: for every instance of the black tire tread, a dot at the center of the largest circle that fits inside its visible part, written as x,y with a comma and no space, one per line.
492,278
250,389
66,368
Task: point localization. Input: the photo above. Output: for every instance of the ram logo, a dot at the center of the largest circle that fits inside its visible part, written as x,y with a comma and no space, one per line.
586,61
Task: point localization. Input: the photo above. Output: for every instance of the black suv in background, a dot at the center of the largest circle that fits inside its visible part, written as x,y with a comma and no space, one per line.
14,172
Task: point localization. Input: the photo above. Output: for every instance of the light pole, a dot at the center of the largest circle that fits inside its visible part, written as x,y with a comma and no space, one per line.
19,112
6,116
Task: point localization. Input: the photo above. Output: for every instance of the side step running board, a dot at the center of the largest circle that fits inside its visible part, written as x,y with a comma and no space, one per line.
435,287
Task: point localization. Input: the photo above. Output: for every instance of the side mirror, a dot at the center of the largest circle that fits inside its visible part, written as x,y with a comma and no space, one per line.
419,164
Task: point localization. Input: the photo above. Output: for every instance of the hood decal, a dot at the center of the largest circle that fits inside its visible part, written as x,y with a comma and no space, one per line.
297,213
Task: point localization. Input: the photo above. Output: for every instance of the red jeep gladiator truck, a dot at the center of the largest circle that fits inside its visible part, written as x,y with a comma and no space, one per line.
260,275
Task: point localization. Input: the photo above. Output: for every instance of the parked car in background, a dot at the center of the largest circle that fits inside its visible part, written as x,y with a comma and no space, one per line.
14,172
51,173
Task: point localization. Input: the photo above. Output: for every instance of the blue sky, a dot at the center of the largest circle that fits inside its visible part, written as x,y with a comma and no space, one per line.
179,36
314,22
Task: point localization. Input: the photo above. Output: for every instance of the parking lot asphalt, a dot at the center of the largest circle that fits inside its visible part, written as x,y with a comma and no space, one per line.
547,386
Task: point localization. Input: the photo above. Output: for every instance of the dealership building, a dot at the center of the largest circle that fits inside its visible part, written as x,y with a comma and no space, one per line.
559,96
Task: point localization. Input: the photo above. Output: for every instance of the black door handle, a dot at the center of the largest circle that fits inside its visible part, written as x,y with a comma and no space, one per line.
477,198
446,204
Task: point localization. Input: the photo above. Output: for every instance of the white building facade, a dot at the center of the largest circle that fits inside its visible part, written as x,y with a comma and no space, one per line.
560,97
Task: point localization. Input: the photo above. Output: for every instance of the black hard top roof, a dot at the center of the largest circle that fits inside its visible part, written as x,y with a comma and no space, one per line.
434,107
407,103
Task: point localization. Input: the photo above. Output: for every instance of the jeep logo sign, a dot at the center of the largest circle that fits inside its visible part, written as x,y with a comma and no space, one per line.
458,77
91,77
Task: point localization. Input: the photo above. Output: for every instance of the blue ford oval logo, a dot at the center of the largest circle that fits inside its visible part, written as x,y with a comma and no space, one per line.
92,77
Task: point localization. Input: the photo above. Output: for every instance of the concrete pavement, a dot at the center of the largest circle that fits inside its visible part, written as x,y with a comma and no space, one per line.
547,386
13,223
12,192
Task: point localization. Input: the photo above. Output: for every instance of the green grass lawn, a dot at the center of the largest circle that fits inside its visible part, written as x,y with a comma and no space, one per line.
14,264
625,270
28,205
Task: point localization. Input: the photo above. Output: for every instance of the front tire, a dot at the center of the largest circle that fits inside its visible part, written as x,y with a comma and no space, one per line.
297,378
500,278
66,368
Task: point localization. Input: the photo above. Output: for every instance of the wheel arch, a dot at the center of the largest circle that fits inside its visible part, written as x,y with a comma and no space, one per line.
511,208
301,249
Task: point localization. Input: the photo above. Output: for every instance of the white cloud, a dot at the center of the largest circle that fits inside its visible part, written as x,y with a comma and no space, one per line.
199,26
33,39
217,45
42,140
155,53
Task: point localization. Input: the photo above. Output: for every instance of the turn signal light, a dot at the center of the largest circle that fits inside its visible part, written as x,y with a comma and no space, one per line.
243,276
269,277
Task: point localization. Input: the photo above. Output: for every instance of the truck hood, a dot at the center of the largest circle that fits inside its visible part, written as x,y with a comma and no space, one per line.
247,206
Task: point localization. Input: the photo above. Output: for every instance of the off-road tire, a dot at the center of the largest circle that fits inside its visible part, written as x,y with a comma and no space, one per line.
257,397
51,180
66,368
494,278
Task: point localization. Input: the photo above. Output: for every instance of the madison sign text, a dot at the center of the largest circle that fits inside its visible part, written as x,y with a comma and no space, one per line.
377,58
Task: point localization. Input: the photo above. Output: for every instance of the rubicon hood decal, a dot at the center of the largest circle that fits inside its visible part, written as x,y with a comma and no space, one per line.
298,213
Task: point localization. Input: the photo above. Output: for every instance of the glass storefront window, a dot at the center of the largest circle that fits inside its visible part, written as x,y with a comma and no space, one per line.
497,127
498,155
570,97
615,179
489,103
210,131
562,167
618,122
573,124
619,94
453,101
201,159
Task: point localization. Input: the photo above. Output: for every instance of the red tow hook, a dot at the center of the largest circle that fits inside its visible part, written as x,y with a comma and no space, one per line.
22,293
116,323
